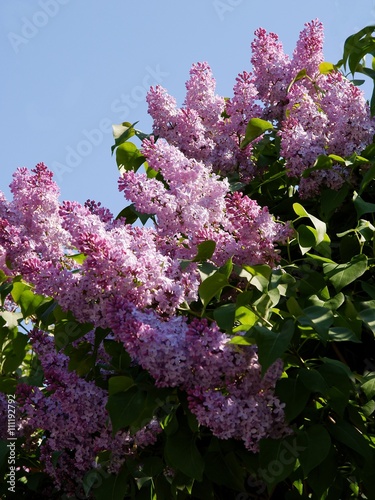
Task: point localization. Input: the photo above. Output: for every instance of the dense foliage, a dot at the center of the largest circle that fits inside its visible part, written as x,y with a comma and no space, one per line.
216,338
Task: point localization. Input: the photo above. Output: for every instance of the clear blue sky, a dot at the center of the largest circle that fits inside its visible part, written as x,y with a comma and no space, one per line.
71,68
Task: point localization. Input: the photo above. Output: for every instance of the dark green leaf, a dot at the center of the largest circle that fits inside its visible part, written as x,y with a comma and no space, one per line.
368,317
182,454
272,345
124,408
348,435
341,275
369,388
277,458
306,236
224,316
331,200
313,380
361,206
317,448
294,394
120,383
14,352
342,334
110,486
319,318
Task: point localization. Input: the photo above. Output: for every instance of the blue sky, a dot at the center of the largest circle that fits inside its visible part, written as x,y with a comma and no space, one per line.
71,68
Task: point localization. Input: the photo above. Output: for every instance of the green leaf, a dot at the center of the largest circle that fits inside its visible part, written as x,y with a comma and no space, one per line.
226,268
323,162
278,457
317,448
326,67
205,250
258,275
120,383
341,275
181,453
293,393
14,352
367,178
255,128
368,317
320,478
348,435
331,200
224,470
337,376
211,287
110,486
130,214
129,157
369,388
313,380
121,133
272,345
246,317
224,316
124,408
120,358
299,76
18,288
319,318
78,257
29,302
318,224
306,237
361,206
342,334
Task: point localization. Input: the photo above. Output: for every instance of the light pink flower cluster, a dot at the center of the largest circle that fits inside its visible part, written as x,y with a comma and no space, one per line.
116,258
199,129
197,206
225,388
317,114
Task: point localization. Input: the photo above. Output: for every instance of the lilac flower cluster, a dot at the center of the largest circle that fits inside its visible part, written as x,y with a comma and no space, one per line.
196,206
315,113
225,388
118,259
71,414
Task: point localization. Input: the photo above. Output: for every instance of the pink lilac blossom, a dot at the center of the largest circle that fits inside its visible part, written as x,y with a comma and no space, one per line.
224,385
199,130
71,412
330,100
197,206
336,120
117,258
271,69
308,53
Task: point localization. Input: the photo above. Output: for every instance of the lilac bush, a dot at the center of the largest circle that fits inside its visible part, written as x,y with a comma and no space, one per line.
158,357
